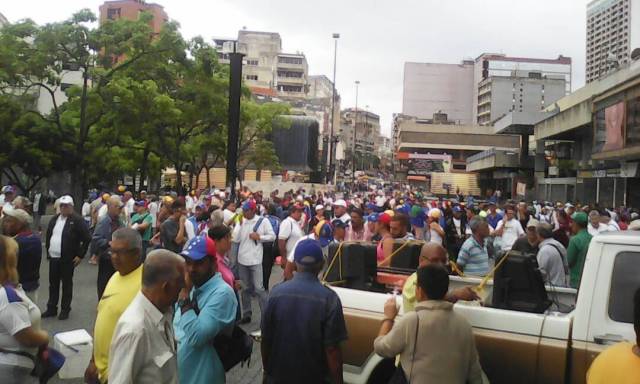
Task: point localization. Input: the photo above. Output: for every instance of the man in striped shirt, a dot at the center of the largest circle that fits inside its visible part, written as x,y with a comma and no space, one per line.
473,258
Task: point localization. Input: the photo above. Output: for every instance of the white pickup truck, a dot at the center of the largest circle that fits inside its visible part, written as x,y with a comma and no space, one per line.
519,347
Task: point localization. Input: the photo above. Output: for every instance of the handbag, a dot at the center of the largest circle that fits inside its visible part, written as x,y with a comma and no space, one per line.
233,349
46,363
399,376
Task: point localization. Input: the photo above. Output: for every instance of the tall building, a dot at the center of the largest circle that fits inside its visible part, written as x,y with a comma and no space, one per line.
502,84
267,70
613,32
130,10
3,20
367,134
429,88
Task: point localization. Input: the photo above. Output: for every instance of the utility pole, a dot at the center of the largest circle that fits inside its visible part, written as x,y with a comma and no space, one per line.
235,84
355,129
332,143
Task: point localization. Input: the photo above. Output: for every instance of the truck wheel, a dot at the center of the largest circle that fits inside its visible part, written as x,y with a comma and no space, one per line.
382,372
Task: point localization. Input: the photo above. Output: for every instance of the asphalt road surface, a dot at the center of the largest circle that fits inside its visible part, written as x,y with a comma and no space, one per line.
83,314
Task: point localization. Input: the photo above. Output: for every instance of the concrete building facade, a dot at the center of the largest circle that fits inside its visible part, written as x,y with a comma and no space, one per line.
533,73
3,20
522,91
130,10
429,88
613,32
267,70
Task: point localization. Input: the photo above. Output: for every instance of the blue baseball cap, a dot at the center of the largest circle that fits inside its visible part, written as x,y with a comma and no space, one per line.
457,208
196,248
324,234
373,218
249,205
338,223
308,252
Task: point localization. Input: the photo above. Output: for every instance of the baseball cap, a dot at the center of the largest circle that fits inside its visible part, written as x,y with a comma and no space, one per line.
140,203
568,205
580,218
249,205
340,203
384,218
8,189
373,218
199,247
532,223
308,252
337,223
66,199
457,208
324,233
435,213
319,206
19,214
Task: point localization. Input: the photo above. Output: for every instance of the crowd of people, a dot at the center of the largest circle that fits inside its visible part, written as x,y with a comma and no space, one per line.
187,269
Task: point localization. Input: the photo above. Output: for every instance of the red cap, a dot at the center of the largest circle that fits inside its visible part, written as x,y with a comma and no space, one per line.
384,218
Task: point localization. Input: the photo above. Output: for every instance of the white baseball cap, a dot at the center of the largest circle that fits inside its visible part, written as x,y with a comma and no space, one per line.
66,199
340,203
319,206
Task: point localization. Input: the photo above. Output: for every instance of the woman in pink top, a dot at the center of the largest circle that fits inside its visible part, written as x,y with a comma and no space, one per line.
385,245
218,244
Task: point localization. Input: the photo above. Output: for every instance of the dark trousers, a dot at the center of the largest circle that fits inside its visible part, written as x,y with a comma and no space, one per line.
60,270
268,256
105,270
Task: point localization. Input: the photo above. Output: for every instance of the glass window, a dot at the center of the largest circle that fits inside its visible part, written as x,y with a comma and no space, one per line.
633,121
600,136
624,282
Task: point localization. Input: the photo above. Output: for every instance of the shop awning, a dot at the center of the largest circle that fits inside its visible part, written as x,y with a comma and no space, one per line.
417,178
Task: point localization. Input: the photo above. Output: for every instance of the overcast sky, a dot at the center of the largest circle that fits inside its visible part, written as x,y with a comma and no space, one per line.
377,36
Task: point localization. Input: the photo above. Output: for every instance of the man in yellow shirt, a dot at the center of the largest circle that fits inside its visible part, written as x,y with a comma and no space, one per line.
619,363
126,252
432,253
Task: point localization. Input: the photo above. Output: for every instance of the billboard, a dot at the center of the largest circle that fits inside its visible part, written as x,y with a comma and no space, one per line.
425,164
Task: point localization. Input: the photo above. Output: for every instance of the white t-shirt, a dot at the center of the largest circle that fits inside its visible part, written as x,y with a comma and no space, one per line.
458,225
594,231
153,211
55,243
290,231
129,206
311,236
17,312
227,215
434,237
86,210
190,203
512,230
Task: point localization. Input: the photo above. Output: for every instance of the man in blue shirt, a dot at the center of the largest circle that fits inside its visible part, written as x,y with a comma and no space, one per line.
303,325
206,307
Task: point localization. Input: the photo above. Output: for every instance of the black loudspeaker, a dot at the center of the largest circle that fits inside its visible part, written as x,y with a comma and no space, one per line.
407,257
356,267
518,285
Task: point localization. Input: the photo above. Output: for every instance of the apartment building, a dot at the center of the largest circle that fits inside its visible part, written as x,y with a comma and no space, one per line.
613,32
130,10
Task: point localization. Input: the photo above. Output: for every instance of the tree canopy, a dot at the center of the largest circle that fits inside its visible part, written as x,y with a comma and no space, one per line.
114,100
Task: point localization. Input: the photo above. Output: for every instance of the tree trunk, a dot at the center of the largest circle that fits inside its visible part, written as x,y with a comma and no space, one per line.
179,179
198,178
208,176
143,168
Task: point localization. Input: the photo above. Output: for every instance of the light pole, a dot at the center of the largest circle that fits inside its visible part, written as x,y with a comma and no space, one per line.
355,128
235,88
366,130
331,147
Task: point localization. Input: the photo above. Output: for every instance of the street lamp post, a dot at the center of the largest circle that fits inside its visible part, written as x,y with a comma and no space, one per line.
355,128
366,130
235,84
331,148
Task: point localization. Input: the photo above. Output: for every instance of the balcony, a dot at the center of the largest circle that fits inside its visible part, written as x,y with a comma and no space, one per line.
493,158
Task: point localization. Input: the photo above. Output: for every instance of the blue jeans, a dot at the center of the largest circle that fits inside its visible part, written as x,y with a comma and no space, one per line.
251,276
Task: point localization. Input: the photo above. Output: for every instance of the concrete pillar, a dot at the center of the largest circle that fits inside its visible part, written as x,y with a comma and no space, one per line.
539,159
524,149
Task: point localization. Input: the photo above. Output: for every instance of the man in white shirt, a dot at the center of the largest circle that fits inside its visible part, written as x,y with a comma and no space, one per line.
340,211
129,204
190,202
229,212
143,345
251,233
9,193
595,226
509,228
608,221
289,234
323,233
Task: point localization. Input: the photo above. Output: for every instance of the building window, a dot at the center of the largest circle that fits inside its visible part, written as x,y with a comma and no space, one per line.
290,60
252,77
292,74
113,13
289,88
633,121
252,62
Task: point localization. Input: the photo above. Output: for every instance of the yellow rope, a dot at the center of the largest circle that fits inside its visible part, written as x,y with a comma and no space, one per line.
485,279
456,269
337,255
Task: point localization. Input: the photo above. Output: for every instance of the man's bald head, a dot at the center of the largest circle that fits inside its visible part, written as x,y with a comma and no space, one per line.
432,253
161,266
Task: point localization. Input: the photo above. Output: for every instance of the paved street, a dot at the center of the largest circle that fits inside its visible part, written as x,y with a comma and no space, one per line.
83,315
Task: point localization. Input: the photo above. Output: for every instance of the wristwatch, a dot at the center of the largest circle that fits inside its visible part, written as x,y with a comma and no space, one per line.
184,302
